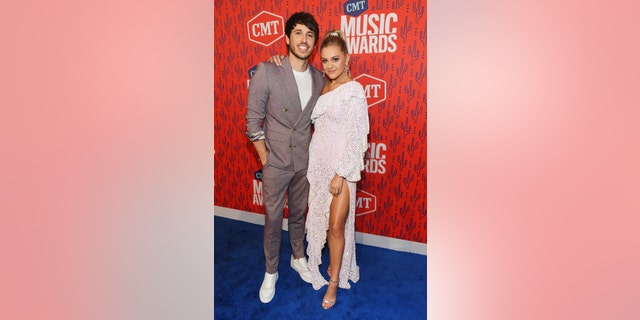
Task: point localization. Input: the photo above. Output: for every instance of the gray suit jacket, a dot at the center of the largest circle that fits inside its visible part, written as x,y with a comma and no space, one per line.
273,106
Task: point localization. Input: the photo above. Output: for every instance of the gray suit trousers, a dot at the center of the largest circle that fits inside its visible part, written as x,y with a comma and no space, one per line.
275,184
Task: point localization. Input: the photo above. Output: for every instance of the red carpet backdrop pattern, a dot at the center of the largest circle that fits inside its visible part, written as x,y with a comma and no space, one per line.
388,44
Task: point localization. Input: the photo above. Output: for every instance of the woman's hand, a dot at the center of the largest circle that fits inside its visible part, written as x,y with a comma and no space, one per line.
277,60
336,185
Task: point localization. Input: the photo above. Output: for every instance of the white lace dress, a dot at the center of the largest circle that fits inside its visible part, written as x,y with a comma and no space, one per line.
338,145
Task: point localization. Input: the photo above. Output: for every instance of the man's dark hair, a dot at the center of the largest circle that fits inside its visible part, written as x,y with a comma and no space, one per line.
303,18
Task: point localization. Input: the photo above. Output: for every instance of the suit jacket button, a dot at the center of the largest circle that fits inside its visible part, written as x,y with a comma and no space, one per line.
285,109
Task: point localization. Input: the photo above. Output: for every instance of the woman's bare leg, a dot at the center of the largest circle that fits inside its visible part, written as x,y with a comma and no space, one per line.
338,212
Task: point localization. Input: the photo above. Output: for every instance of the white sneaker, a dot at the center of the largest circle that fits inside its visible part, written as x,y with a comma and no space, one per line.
300,265
268,288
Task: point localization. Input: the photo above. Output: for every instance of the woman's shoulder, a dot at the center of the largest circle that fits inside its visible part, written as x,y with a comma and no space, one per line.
355,88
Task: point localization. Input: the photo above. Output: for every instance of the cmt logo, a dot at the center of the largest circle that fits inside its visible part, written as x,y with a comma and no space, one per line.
355,7
265,28
375,90
365,203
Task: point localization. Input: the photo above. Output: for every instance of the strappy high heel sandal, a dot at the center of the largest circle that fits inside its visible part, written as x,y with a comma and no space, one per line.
330,302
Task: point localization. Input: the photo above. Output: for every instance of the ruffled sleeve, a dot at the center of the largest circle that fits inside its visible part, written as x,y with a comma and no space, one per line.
356,130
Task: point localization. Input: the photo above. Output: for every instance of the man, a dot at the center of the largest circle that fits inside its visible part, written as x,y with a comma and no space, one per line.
279,108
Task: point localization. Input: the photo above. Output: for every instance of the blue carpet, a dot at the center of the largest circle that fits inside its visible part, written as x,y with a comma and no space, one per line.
393,284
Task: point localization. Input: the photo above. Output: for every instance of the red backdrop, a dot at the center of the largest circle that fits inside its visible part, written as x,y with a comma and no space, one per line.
388,43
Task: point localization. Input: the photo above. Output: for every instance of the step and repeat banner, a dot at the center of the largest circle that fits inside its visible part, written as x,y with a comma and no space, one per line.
388,45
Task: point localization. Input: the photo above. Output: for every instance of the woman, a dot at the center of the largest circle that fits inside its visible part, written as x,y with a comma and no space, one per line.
336,158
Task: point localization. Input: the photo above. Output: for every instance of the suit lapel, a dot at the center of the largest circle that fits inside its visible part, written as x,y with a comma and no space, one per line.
317,82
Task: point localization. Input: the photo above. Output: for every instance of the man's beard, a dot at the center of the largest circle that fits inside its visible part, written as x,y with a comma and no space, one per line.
292,50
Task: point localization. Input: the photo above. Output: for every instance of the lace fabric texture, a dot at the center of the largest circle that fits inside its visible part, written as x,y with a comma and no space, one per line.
337,146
